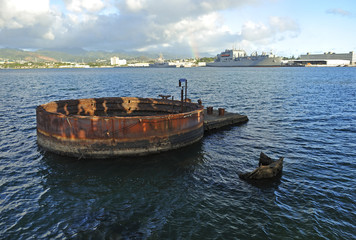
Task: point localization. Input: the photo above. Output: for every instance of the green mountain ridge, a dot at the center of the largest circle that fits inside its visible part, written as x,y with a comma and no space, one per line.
74,55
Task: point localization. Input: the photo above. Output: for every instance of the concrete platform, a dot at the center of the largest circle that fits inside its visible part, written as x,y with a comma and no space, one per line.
214,121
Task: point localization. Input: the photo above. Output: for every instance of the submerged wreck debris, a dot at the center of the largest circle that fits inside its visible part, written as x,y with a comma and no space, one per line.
267,168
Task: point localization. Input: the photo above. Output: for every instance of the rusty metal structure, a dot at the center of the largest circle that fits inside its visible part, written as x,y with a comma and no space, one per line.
118,126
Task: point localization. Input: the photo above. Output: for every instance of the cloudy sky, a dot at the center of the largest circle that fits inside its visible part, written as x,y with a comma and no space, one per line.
192,27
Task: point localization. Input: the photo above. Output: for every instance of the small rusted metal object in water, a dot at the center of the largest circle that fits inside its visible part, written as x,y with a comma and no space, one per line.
119,126
164,96
209,110
221,111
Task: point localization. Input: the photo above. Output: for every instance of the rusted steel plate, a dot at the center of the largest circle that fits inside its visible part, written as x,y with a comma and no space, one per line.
109,127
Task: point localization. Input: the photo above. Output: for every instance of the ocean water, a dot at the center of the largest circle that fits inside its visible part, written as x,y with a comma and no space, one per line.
306,115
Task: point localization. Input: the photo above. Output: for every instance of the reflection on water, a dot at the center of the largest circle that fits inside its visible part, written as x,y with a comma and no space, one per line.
138,193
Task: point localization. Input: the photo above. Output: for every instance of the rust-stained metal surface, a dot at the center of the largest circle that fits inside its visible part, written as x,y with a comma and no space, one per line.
215,120
122,126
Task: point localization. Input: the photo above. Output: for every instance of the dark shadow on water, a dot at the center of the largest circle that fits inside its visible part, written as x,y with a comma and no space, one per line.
121,198
226,128
166,166
266,183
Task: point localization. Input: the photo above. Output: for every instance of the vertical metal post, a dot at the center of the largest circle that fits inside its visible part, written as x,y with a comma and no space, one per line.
181,97
172,104
185,86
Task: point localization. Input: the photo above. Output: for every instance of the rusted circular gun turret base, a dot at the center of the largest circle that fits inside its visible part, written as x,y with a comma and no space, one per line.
111,127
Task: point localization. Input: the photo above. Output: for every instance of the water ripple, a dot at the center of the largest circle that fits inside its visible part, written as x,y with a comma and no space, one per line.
306,115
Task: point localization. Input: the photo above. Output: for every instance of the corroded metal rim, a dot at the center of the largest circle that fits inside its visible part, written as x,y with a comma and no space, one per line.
109,127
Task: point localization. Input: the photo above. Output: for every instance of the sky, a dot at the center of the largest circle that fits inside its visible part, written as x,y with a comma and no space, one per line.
190,27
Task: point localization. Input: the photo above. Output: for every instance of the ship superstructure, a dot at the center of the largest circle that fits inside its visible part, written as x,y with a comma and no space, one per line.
239,58
161,63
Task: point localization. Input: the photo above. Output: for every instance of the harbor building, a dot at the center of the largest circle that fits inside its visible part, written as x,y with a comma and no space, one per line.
117,62
327,59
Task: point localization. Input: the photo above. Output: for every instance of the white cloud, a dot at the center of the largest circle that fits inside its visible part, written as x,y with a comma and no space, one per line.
276,29
175,10
283,24
26,23
213,5
175,25
16,14
255,31
338,11
84,5
135,5
198,29
49,35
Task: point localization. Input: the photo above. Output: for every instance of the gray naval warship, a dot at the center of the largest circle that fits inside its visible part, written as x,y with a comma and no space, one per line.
161,63
239,58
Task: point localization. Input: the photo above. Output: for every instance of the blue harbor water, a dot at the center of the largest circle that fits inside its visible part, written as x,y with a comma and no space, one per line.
307,115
